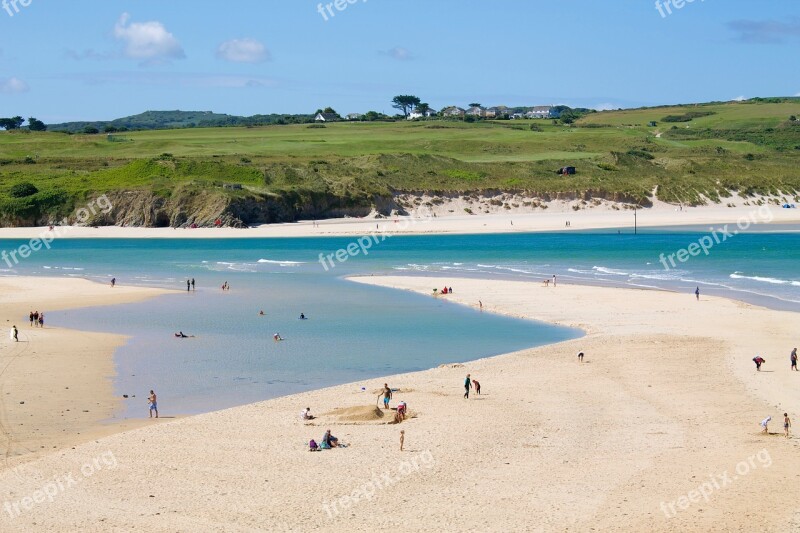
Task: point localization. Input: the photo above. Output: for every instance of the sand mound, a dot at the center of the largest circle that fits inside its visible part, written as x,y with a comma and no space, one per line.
359,413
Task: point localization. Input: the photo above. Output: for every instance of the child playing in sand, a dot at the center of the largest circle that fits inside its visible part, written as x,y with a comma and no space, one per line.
402,438
758,360
764,424
786,424
477,386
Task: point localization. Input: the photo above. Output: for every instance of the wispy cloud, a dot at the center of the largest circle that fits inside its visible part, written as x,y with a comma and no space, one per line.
147,41
766,31
399,53
243,51
13,86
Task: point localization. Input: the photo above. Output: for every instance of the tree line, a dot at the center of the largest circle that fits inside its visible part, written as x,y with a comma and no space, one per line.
15,123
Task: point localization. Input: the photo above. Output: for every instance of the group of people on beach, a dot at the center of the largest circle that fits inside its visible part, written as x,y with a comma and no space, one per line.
787,425
758,360
190,284
36,318
445,290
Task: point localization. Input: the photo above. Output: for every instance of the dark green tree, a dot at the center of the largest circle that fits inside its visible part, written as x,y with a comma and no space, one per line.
12,123
405,103
34,124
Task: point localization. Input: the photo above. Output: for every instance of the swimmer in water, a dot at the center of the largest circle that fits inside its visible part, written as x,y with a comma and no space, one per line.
302,316
261,313
277,337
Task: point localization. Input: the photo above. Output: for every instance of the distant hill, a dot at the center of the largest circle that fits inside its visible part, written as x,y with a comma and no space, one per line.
159,120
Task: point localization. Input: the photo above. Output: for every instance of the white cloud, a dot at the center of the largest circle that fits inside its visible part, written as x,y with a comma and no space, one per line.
13,86
606,106
243,51
399,53
148,41
798,94
741,98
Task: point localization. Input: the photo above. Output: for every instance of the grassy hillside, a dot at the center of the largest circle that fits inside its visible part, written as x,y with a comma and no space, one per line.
702,151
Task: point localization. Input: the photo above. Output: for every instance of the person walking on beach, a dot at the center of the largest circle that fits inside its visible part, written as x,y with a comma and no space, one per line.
764,424
41,320
477,386
554,280
188,285
192,283
480,304
580,357
697,293
793,358
35,318
467,386
153,403
758,360
14,333
786,424
113,282
31,318
402,438
387,395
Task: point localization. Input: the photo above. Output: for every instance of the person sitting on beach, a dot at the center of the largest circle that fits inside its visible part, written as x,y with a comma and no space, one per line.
305,414
312,446
435,292
444,291
758,360
329,441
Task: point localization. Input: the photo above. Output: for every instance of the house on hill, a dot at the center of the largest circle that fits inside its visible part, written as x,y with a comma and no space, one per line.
540,111
427,114
452,111
475,111
354,116
326,117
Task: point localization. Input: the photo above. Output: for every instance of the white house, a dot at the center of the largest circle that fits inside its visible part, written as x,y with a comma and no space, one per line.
326,117
416,114
475,111
355,116
540,111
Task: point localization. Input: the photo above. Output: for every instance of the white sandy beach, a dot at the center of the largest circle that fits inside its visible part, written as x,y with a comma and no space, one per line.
514,221
656,431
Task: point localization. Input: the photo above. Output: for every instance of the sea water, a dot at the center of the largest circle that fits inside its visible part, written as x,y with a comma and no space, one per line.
355,332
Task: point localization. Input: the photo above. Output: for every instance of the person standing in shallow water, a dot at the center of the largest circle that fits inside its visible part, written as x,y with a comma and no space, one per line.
697,293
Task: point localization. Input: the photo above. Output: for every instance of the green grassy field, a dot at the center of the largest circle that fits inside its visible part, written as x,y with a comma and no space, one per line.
748,147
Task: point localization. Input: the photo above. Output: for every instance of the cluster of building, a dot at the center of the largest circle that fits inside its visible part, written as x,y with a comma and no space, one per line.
498,112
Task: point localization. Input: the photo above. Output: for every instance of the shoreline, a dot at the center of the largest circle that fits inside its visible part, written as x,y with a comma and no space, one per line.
57,388
666,398
551,220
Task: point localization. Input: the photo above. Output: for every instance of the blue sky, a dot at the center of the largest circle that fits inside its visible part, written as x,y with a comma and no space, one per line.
103,59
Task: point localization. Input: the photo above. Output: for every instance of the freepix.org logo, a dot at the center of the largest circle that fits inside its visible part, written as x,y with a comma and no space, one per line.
12,7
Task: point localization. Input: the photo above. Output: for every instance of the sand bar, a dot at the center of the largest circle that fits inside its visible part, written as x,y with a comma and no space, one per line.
55,386
666,405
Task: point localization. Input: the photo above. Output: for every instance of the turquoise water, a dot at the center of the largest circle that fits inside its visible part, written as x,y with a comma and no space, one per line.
355,332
